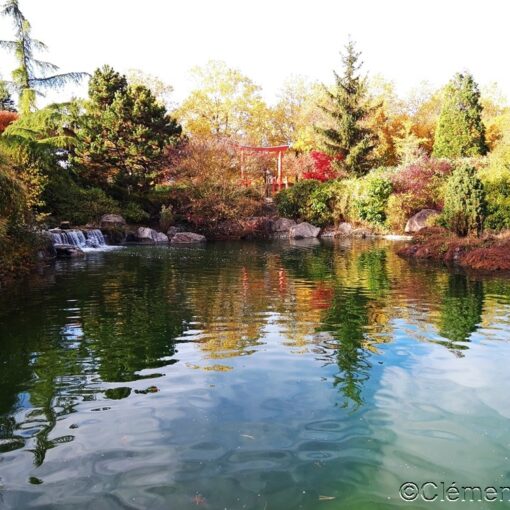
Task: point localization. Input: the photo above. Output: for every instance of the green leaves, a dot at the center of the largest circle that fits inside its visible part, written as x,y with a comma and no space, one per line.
460,131
348,139
465,205
124,134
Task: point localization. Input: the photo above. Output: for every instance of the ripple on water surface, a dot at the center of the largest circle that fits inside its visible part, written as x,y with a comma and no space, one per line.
250,375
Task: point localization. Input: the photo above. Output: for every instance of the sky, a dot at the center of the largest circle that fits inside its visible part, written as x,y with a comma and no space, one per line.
406,41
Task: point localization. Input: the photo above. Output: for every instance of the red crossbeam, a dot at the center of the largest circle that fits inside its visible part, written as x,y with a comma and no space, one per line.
277,148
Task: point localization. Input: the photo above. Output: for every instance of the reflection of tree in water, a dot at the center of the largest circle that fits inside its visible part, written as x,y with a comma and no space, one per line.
352,309
346,320
461,308
374,264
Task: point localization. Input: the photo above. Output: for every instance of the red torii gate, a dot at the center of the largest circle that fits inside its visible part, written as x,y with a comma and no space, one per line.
278,149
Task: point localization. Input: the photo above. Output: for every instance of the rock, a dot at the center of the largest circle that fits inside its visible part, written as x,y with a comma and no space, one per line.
187,238
68,251
282,225
113,227
420,220
112,220
362,232
303,230
65,225
150,236
344,229
172,231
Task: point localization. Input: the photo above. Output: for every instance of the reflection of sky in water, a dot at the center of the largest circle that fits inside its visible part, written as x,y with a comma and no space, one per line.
250,376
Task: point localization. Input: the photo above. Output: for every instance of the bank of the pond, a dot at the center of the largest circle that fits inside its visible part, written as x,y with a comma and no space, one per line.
488,253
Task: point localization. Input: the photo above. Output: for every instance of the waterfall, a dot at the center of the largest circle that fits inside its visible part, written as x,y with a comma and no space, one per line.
79,238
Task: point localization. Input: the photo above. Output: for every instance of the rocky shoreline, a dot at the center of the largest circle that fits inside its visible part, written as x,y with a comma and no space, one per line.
113,230
490,253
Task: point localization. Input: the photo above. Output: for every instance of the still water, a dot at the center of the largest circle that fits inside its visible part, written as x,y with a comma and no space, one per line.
252,376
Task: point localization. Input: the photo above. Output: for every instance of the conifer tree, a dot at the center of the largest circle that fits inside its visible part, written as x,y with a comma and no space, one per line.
6,102
460,131
124,134
31,75
348,139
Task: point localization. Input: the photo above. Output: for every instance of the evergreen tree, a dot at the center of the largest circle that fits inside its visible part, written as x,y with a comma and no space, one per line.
465,204
124,135
348,140
6,102
460,131
32,74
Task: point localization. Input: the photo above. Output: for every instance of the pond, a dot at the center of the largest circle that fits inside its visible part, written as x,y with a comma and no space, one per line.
249,375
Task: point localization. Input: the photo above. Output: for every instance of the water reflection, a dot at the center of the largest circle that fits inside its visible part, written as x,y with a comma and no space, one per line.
115,329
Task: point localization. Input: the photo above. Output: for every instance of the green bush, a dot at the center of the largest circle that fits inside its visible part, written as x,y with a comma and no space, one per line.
166,217
134,213
65,200
465,204
320,206
498,202
372,199
292,202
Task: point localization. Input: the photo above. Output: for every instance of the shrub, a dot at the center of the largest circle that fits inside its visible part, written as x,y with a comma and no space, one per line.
213,202
6,118
371,202
166,217
465,202
322,167
497,188
291,202
65,200
320,206
134,213
422,180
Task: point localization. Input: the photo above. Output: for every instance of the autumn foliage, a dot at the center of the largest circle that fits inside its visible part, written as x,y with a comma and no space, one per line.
323,168
6,118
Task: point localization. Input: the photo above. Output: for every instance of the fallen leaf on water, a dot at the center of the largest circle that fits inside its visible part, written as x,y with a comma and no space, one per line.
199,500
326,498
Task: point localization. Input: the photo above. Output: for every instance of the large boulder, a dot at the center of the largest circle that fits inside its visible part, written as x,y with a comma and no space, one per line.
112,220
148,235
282,225
344,229
113,226
420,220
187,238
68,251
172,231
303,231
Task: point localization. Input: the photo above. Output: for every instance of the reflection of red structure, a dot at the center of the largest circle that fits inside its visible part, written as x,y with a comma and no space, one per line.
278,150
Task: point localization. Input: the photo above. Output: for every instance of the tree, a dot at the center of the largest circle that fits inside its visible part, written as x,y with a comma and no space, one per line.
6,102
348,140
460,131
225,103
32,74
162,91
124,135
465,203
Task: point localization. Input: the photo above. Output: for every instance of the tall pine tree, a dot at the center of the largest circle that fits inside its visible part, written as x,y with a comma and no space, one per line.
348,139
460,131
32,75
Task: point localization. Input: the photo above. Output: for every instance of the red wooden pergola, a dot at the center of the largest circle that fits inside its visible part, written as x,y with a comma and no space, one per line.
278,150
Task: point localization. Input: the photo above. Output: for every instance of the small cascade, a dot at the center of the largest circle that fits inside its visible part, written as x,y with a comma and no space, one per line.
95,239
79,238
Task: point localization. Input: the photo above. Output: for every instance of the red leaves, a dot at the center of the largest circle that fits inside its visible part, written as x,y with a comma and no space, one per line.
6,118
323,167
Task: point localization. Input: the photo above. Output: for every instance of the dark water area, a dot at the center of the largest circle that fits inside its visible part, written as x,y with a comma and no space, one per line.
253,376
